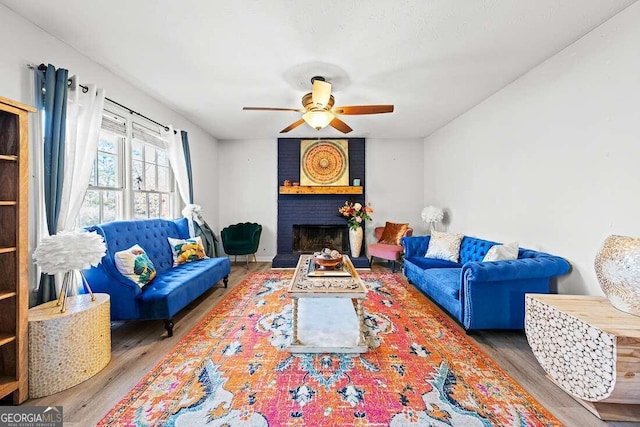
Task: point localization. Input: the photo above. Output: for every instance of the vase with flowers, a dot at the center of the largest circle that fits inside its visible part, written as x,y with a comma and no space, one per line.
356,214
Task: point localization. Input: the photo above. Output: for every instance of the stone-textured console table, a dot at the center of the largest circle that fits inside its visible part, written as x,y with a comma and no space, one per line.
68,348
590,349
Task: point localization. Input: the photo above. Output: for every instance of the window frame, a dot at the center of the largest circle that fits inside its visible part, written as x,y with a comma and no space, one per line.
125,176
158,146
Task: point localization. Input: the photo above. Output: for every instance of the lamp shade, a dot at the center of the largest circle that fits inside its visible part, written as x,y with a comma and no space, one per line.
69,250
432,214
318,119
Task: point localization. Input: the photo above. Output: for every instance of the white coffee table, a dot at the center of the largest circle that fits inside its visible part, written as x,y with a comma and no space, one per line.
328,316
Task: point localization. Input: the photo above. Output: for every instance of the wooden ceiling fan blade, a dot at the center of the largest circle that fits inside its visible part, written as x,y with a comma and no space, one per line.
297,110
292,126
363,109
340,125
320,93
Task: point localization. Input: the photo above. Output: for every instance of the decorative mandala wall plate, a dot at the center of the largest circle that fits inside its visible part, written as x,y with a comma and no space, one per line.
324,162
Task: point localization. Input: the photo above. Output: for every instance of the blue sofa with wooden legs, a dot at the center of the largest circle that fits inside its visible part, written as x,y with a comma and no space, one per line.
172,289
480,295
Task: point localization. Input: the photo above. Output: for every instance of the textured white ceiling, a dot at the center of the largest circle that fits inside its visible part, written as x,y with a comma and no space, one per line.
207,59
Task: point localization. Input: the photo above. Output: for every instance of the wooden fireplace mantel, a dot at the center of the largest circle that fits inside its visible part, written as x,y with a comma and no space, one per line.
320,189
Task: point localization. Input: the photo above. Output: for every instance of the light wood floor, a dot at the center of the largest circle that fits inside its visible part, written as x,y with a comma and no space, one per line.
138,346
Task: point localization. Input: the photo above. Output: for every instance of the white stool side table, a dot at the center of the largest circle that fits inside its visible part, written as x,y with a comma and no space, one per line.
68,348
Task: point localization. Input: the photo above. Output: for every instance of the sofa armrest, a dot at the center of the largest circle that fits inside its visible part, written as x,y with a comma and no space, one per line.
498,304
255,234
415,246
517,269
503,284
123,291
105,278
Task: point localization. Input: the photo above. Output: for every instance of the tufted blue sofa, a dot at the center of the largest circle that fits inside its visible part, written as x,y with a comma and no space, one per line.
480,295
172,288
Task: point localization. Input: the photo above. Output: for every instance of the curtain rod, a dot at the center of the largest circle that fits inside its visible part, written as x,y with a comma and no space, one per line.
43,67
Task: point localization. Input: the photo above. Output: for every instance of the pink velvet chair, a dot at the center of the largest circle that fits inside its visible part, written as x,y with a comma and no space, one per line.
385,251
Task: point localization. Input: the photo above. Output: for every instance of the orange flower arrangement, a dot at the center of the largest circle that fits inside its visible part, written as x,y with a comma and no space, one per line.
355,213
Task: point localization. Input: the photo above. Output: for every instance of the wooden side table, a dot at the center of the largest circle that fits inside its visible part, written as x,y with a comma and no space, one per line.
590,349
68,348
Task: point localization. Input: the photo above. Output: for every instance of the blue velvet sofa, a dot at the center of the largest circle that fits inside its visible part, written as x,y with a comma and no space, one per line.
171,290
480,295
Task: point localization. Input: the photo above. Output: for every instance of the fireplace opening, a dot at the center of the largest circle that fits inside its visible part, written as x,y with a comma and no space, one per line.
314,238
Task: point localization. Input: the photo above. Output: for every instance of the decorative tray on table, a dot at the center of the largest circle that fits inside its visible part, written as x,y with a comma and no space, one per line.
327,263
339,270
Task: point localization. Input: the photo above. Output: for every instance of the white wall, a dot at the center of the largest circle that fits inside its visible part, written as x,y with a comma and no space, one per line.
395,176
24,43
249,187
551,161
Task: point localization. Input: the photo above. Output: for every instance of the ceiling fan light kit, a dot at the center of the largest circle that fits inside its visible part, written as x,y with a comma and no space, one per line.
318,119
319,112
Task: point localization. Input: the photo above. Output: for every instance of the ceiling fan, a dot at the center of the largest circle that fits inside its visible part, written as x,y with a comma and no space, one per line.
319,111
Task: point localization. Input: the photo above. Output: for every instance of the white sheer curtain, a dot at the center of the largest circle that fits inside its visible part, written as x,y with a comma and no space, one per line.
84,118
177,161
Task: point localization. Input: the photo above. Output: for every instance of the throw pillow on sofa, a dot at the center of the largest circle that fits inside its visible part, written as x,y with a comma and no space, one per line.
186,250
444,246
135,264
502,252
392,233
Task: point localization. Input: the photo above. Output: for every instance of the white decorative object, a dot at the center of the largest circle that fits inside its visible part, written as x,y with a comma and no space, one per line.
432,215
617,266
193,213
502,252
355,241
67,252
444,246
589,349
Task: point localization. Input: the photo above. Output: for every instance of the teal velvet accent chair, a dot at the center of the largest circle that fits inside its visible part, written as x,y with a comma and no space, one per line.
241,239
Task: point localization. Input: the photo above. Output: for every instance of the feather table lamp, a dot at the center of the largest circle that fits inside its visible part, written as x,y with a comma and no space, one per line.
432,215
69,252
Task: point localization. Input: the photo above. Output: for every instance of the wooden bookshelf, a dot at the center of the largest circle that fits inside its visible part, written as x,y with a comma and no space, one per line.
320,189
14,299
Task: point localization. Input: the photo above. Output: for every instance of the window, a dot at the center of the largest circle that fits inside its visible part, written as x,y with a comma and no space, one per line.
131,177
150,175
103,200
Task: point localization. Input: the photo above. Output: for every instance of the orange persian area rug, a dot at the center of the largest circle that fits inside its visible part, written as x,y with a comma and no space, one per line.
233,369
